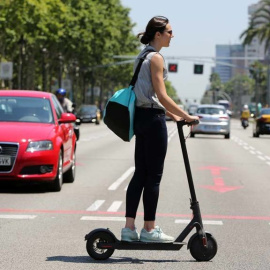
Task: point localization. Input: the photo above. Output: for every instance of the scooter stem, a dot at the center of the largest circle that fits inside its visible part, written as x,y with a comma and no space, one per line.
180,125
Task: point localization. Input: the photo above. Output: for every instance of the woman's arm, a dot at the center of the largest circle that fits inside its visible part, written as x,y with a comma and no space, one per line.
160,89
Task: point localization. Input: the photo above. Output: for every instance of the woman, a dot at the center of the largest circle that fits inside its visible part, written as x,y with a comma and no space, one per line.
151,133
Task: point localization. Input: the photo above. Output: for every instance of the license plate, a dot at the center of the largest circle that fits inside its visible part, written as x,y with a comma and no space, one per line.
5,161
212,128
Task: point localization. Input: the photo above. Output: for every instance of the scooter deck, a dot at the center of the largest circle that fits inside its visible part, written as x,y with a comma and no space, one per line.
138,245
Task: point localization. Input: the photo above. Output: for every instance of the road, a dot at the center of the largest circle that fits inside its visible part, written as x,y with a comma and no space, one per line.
45,230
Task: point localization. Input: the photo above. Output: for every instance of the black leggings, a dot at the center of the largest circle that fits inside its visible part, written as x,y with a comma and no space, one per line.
150,151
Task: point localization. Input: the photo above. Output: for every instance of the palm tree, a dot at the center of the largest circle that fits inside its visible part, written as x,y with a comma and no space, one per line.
259,25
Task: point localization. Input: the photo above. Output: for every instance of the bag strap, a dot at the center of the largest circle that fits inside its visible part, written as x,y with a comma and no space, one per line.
136,73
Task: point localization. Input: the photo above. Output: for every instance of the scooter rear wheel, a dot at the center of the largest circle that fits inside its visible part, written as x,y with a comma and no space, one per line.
201,253
98,253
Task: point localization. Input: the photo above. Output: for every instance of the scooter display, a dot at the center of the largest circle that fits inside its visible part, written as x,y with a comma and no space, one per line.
101,242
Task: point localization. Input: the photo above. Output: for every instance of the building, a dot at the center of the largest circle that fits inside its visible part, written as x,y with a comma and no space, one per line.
255,49
228,67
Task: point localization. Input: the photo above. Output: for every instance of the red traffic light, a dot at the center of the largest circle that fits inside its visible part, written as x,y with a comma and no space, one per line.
172,67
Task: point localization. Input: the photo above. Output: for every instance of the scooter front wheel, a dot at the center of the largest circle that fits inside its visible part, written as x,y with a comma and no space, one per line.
92,248
201,253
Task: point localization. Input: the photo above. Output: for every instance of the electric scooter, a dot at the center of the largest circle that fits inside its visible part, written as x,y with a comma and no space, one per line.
101,243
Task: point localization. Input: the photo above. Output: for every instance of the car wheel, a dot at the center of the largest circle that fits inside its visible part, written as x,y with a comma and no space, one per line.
227,136
69,176
58,181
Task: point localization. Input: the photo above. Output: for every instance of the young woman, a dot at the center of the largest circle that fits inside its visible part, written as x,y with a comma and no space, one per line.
151,133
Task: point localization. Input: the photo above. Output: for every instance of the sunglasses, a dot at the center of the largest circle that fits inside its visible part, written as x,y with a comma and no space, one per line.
169,31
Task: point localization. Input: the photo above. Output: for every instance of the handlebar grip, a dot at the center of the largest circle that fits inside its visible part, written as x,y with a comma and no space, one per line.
183,123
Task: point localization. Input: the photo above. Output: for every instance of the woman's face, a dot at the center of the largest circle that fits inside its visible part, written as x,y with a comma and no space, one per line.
167,35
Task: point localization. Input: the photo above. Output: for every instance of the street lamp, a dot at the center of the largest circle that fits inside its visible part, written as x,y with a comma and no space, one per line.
60,58
44,69
21,44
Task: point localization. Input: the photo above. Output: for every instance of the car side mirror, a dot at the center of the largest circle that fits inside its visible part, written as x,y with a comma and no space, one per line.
67,118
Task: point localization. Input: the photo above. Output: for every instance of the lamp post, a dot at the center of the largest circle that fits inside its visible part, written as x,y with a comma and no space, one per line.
268,79
21,44
60,58
44,69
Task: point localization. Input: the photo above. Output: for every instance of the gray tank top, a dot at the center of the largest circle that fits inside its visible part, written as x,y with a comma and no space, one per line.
145,94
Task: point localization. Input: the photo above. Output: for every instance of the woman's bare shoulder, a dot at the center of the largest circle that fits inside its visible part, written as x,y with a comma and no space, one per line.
157,59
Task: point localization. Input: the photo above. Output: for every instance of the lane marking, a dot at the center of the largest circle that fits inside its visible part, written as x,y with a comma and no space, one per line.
172,133
115,206
95,205
95,218
131,170
252,150
100,213
120,180
18,216
205,222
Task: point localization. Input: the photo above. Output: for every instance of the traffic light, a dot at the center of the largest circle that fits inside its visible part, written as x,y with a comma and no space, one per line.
172,67
198,69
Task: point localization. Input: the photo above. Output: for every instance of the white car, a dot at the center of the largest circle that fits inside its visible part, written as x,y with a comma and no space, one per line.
213,120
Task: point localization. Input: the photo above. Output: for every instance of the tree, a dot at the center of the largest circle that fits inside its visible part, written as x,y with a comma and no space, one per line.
171,91
215,82
66,38
259,26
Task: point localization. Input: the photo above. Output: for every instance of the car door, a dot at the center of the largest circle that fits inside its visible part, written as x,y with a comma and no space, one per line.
66,132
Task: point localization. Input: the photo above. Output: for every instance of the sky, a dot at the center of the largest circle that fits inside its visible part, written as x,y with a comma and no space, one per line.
197,27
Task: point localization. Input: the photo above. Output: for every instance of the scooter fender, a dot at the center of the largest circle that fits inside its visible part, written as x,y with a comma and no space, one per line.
87,236
193,236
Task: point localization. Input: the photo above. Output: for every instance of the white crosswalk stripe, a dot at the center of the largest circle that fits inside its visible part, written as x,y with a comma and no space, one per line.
95,206
115,206
17,216
95,218
205,222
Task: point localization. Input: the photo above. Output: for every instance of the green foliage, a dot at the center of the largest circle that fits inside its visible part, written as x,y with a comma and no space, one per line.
86,33
259,25
240,83
171,91
258,72
215,82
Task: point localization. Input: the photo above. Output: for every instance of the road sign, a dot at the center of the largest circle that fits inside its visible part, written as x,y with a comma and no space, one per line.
6,70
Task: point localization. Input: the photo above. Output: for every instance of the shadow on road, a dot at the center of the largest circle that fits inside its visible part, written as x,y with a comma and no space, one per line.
20,188
115,260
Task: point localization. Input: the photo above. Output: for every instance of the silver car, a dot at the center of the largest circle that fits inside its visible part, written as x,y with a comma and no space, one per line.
213,120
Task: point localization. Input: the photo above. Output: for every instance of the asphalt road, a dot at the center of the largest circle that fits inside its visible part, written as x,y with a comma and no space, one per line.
45,230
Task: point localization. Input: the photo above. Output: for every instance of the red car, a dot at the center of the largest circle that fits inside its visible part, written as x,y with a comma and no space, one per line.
37,139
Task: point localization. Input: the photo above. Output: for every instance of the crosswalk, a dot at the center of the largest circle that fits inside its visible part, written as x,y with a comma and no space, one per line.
95,212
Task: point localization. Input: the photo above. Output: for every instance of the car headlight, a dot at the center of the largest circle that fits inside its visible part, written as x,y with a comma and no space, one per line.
39,146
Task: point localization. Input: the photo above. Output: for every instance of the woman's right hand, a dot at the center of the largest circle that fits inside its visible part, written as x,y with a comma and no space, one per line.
192,118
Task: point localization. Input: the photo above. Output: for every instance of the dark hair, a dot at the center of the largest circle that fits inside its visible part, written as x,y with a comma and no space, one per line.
156,24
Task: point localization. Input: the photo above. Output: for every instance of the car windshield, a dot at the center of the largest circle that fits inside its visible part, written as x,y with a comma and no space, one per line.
210,110
25,109
265,111
88,109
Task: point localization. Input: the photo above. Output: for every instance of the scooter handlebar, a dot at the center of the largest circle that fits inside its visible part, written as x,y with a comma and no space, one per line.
184,123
